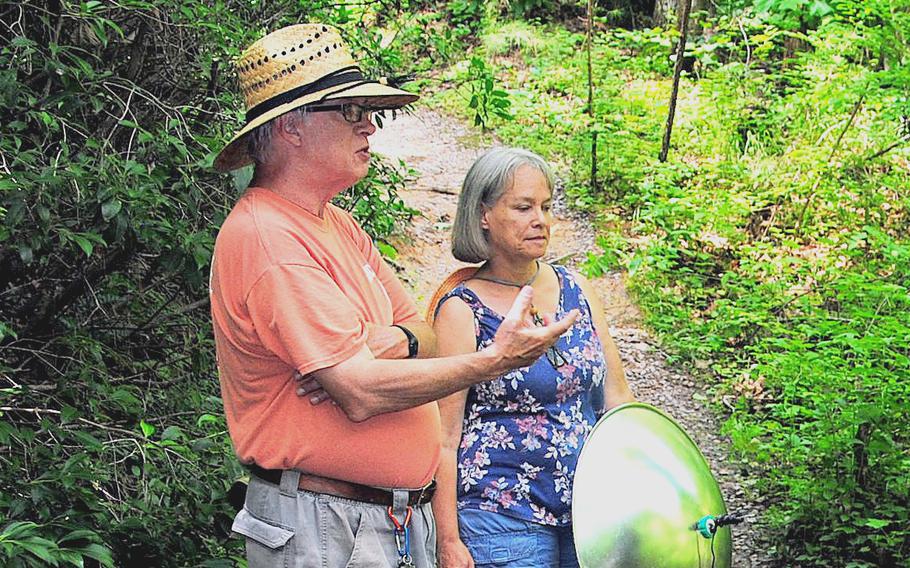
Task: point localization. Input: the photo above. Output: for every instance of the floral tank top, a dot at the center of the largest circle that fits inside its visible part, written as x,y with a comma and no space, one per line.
523,431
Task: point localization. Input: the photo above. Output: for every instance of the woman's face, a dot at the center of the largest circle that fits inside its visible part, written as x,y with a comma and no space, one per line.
518,225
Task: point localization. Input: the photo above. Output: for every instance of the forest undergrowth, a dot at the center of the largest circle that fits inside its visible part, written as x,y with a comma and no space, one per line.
770,251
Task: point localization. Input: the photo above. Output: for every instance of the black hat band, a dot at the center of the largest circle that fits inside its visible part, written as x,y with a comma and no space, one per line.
345,75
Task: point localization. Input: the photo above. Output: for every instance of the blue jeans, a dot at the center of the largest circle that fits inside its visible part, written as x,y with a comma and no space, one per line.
498,540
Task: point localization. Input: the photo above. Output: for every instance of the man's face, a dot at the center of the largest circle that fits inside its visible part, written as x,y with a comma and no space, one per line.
335,148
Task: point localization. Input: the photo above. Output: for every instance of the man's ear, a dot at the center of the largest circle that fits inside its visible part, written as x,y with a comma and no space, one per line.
288,128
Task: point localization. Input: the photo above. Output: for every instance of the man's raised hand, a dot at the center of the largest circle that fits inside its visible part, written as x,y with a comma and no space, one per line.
519,342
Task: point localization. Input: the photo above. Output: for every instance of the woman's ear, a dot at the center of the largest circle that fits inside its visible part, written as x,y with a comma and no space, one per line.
484,224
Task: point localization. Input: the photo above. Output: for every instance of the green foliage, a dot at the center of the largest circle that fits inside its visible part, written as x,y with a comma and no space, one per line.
374,201
112,436
771,249
485,99
507,37
546,10
23,545
793,14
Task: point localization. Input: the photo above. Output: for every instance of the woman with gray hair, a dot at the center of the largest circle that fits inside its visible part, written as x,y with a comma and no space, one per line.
510,445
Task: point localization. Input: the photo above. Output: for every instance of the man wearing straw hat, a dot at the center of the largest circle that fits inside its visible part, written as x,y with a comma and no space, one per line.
299,290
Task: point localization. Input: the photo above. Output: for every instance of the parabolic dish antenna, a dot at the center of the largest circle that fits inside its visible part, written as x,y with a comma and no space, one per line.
644,496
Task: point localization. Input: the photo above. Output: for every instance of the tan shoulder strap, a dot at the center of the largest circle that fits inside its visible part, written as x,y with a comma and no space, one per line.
449,284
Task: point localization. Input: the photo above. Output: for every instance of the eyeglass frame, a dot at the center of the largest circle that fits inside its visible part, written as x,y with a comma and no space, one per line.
345,110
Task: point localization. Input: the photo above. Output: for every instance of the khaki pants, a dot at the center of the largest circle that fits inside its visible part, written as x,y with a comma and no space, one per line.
285,527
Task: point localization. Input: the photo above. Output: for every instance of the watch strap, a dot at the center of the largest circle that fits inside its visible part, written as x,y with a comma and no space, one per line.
412,340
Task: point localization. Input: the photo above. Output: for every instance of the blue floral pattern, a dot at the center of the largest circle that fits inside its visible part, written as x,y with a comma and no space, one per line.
523,431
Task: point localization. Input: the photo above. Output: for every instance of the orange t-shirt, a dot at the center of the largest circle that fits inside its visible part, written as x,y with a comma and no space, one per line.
293,291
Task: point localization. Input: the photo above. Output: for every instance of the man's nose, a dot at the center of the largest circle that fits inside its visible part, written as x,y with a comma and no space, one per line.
366,126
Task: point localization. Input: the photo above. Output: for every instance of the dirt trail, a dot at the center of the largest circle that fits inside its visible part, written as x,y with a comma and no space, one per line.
441,150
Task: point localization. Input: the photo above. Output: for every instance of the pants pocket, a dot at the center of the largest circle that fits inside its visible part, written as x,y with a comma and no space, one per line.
266,544
494,539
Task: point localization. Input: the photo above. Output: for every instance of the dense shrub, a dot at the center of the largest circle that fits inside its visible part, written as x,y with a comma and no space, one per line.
112,437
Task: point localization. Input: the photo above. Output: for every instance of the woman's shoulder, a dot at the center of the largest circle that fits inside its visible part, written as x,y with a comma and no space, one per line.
458,302
569,276
574,282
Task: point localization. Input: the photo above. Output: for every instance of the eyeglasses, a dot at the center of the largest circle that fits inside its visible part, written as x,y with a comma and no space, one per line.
554,356
351,112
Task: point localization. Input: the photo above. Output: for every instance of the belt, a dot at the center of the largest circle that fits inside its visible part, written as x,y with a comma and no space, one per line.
346,489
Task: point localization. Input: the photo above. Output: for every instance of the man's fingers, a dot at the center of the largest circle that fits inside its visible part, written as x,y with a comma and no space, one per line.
554,328
521,307
567,321
319,397
309,386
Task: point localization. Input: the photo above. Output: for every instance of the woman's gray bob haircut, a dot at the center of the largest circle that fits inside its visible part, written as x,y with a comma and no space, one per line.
486,181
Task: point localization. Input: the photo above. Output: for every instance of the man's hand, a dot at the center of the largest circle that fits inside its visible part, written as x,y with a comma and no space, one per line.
307,385
519,342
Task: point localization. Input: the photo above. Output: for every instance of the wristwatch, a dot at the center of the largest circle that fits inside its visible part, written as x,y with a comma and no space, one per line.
412,340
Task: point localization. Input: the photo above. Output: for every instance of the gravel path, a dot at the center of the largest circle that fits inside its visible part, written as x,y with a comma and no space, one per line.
442,149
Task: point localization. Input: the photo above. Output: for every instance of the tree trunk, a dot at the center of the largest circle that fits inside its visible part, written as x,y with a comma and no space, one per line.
590,39
677,71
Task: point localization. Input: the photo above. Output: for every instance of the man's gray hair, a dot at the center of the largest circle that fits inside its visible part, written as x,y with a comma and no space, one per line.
486,181
259,141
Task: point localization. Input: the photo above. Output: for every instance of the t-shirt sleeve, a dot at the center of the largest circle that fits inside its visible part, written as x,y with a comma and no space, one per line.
403,307
302,316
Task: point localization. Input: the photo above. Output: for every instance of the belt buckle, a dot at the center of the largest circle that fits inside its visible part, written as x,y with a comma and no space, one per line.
423,490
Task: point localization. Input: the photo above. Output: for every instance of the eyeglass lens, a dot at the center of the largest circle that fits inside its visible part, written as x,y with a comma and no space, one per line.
355,113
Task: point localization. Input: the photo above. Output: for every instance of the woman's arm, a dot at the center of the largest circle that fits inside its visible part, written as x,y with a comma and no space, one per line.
616,389
454,326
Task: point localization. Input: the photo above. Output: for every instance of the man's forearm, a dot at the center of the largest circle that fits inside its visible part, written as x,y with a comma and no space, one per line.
366,387
426,338
389,342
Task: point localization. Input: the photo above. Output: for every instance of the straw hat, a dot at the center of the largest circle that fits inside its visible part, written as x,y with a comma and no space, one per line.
296,66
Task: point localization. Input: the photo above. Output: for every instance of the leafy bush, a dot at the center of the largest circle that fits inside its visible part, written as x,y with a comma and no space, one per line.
112,437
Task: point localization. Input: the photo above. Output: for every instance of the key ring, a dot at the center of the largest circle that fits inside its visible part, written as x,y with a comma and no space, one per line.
407,519
405,560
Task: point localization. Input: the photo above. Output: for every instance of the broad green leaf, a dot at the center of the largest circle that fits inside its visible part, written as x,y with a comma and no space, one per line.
110,209
147,429
206,419
172,433
79,534
84,244
40,547
876,523
99,553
